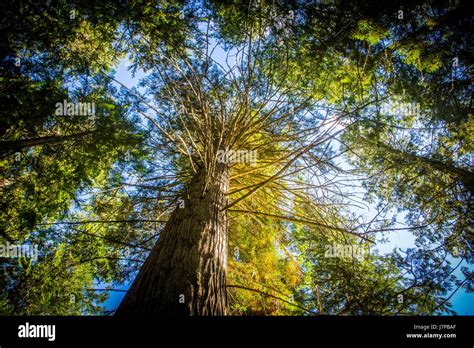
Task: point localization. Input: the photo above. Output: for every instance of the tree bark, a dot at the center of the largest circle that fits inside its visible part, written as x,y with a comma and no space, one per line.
185,273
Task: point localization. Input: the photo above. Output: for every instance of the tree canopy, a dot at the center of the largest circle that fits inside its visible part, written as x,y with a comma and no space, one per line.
267,155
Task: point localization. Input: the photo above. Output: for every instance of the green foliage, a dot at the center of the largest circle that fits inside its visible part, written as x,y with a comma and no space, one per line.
93,192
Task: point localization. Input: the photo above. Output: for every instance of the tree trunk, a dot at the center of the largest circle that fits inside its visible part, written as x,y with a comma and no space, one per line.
185,273
461,174
10,146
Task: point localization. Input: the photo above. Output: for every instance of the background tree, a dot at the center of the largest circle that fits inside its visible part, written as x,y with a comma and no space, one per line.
54,52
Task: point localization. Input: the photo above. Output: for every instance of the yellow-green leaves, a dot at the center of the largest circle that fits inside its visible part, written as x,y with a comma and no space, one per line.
370,32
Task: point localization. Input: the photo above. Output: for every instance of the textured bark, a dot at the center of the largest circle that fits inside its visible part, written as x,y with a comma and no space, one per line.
185,273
